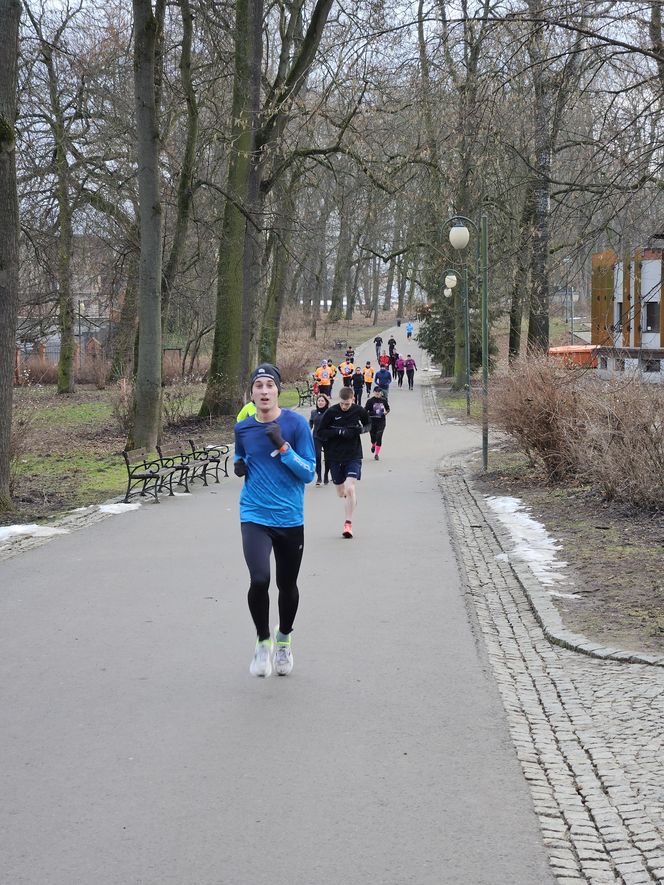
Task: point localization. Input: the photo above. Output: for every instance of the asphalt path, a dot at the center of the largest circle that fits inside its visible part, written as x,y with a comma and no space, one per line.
136,748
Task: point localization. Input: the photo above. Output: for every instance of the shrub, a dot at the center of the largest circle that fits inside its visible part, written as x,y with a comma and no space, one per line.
609,434
35,372
297,352
23,425
536,402
94,371
178,399
622,447
122,405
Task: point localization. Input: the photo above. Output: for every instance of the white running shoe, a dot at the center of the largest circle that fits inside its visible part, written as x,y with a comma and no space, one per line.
283,656
261,664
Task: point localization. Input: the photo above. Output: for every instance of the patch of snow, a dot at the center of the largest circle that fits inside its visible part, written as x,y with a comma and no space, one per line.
82,509
532,543
502,557
37,531
119,508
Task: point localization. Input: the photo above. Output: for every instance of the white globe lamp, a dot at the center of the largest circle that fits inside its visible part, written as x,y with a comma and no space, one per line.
459,236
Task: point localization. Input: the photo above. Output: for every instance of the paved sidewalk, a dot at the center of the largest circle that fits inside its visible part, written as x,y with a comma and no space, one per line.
136,748
588,732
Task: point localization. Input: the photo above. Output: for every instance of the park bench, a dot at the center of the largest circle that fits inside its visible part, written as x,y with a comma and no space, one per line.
146,475
180,463
305,392
211,458
340,342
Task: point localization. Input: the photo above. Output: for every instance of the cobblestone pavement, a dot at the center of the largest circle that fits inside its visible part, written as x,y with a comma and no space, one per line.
588,732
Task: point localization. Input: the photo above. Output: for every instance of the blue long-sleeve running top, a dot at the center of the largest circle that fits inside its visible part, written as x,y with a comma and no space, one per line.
273,492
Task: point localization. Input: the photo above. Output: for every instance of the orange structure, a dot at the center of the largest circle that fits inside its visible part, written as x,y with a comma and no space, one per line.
576,354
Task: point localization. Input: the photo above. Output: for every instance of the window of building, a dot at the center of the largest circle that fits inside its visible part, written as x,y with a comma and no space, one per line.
603,362
652,316
652,365
620,364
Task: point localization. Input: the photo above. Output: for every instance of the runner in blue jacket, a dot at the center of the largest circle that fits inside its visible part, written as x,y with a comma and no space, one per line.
383,380
274,452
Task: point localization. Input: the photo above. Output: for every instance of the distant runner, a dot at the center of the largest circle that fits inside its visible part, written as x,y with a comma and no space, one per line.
322,405
368,376
409,330
346,370
322,375
400,366
358,385
377,408
383,380
411,368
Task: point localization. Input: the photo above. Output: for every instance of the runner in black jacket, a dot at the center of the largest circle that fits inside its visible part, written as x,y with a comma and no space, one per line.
340,430
377,407
358,385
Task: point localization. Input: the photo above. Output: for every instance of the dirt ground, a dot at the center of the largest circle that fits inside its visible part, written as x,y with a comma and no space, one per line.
615,554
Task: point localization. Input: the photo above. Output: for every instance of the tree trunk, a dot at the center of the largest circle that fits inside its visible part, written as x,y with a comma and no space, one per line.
538,321
402,282
185,181
281,268
147,390
10,13
387,301
340,265
350,284
125,336
375,287
519,287
66,312
396,243
411,290
225,388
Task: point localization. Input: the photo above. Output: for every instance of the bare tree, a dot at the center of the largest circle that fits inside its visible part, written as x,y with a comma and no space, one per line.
257,130
10,13
62,117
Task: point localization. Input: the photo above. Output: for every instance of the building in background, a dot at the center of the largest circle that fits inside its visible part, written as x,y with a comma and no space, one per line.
626,321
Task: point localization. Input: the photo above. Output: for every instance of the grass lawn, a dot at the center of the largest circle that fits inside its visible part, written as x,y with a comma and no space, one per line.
70,450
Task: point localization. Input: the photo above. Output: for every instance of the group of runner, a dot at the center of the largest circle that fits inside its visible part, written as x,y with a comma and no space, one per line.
277,452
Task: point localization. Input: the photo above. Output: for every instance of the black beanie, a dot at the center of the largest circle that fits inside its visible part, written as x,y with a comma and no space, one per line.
267,370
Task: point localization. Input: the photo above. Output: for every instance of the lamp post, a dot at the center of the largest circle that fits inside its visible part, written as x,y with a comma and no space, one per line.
450,282
81,308
459,237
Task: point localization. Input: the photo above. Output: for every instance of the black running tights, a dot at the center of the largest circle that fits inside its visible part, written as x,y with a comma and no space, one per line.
258,541
320,458
376,432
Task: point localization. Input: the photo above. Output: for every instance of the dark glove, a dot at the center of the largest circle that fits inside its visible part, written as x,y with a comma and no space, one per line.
274,432
240,468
